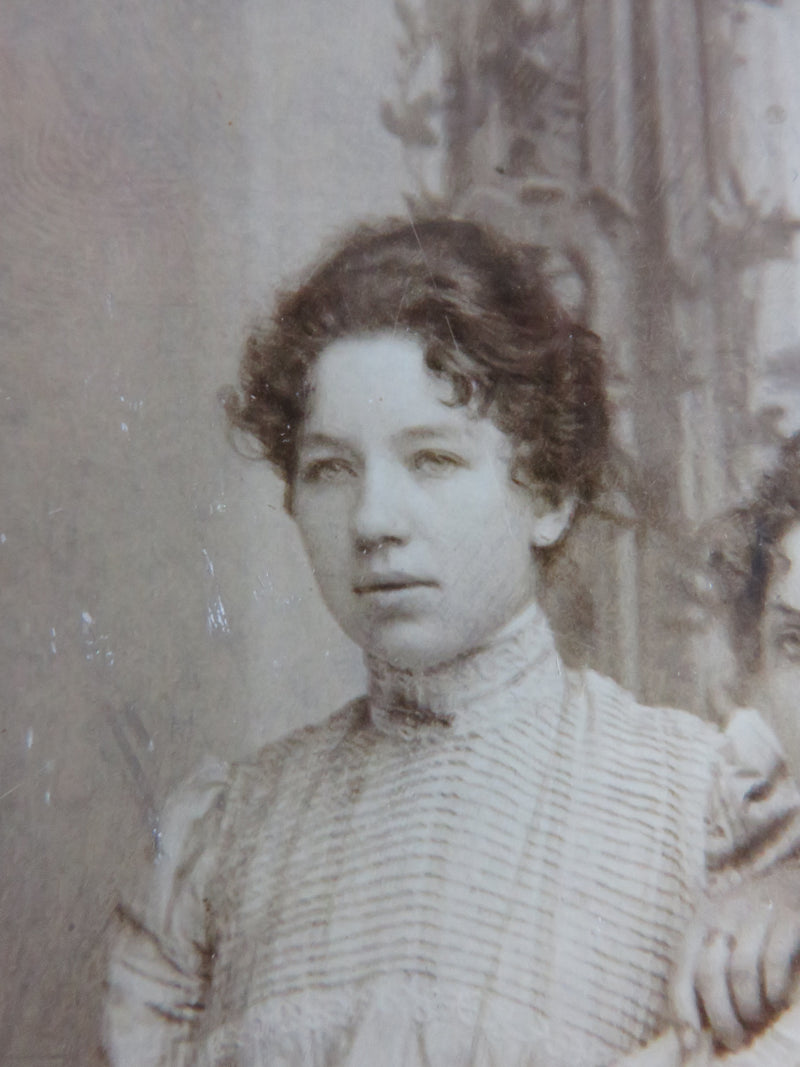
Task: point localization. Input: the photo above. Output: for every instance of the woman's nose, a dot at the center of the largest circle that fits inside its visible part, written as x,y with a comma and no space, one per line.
380,514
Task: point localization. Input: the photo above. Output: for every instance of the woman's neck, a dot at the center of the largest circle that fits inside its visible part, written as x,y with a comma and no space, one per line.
476,688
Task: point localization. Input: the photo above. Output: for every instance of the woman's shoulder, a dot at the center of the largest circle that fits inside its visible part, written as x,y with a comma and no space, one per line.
201,798
217,794
310,741
752,802
744,740
197,801
610,703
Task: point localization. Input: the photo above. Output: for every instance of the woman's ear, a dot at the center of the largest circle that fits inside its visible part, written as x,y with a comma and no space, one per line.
549,522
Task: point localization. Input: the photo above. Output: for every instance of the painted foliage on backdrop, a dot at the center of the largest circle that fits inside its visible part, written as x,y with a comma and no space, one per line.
654,147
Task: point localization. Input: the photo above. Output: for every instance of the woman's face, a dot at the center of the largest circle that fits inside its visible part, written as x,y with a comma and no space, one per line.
419,539
778,683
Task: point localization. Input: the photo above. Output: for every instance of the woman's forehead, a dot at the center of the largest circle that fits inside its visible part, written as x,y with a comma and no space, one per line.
381,375
378,389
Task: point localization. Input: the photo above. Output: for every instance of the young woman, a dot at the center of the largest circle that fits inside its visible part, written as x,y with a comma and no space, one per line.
487,860
753,563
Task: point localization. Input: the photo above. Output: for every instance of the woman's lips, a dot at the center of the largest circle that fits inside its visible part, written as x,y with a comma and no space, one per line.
391,583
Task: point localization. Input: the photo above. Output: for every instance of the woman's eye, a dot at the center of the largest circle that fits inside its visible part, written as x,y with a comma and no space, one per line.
788,644
433,462
326,470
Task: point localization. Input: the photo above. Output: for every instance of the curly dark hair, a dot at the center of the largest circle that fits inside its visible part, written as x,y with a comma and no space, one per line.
741,548
488,322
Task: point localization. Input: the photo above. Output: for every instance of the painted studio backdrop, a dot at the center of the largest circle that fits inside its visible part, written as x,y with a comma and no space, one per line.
162,168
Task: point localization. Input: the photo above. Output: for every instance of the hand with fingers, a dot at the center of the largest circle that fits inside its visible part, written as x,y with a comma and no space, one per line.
737,969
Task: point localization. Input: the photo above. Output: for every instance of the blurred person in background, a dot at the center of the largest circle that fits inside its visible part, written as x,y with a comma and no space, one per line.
753,554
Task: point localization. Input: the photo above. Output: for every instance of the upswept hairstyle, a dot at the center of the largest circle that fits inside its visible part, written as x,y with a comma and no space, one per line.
741,549
488,323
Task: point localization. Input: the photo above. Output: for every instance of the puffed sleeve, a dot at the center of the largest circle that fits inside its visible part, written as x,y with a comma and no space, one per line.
752,830
753,818
160,960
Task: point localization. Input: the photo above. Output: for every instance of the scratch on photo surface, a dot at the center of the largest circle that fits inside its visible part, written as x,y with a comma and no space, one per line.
13,789
217,617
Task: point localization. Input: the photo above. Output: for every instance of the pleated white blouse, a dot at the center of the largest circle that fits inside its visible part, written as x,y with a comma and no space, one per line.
489,864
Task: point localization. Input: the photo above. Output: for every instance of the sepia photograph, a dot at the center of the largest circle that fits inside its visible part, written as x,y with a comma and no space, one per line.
400,533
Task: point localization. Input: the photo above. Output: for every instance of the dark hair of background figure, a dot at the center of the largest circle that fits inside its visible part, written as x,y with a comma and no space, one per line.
488,322
741,549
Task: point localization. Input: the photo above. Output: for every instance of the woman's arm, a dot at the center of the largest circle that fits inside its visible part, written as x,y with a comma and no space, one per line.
160,961
736,973
737,969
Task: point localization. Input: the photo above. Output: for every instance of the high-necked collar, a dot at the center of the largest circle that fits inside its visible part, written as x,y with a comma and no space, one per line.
518,667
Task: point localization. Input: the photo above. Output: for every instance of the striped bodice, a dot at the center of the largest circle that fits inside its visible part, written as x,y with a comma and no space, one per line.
509,886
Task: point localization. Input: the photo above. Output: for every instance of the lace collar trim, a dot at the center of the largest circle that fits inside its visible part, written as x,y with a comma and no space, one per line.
519,666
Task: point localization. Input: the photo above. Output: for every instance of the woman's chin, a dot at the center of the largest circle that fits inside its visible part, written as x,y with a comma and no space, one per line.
413,647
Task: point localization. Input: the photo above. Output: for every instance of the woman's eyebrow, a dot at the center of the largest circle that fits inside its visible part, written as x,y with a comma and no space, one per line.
324,440
439,431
